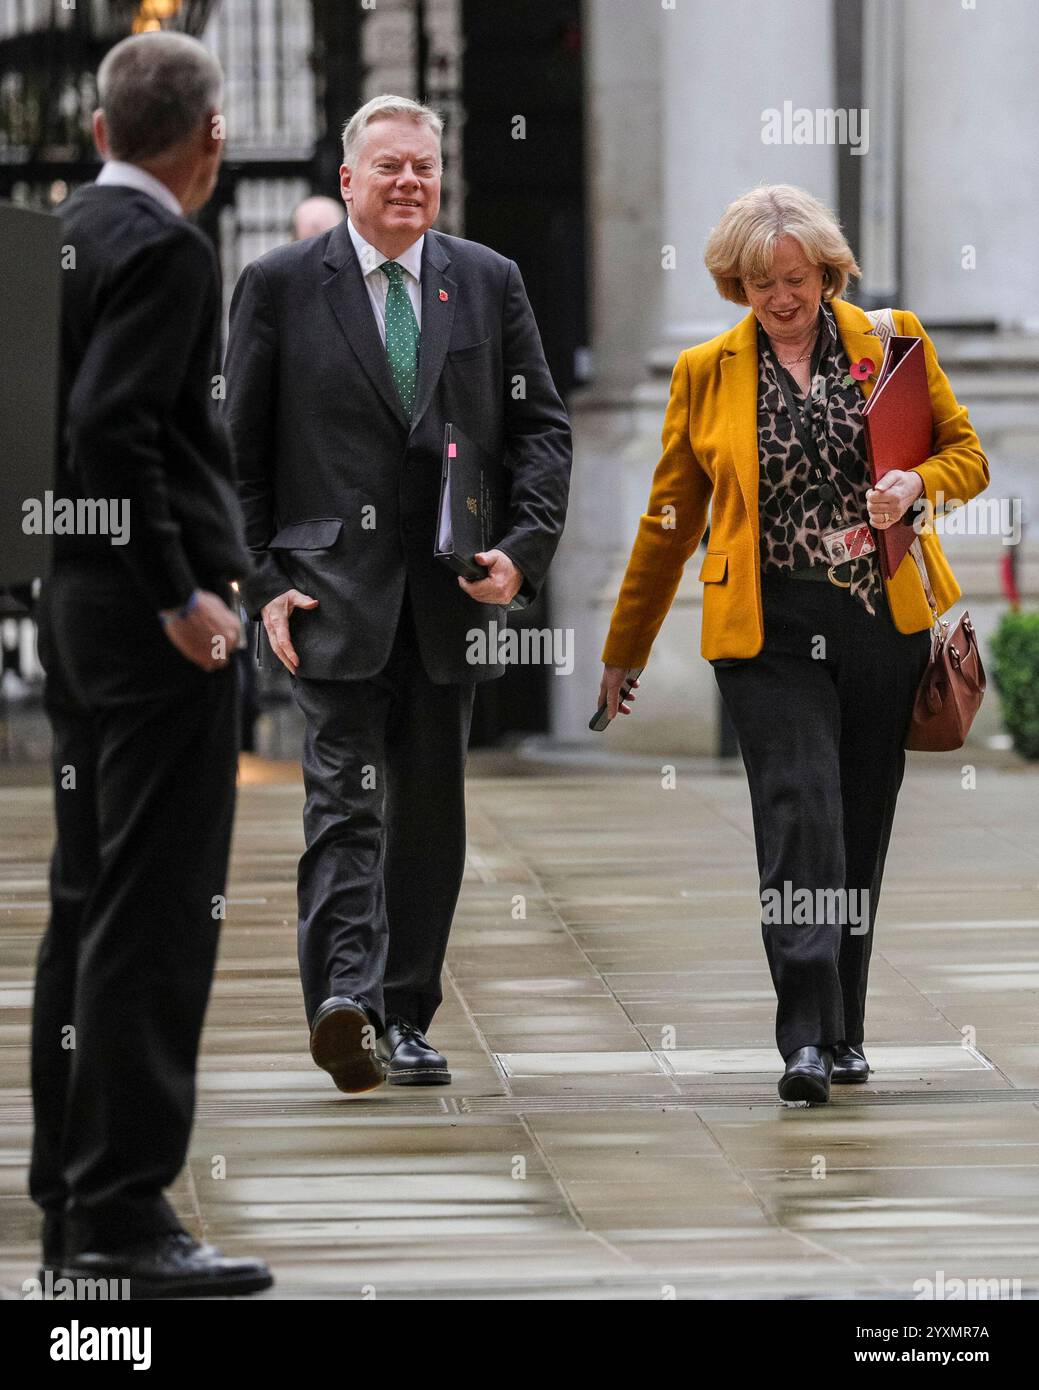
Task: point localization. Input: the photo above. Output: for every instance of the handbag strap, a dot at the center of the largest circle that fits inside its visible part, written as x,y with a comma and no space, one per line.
917,553
882,321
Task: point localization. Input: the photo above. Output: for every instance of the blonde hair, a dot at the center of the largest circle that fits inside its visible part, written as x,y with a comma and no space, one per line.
380,107
743,245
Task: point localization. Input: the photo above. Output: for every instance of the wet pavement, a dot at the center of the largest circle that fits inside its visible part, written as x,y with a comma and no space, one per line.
613,1128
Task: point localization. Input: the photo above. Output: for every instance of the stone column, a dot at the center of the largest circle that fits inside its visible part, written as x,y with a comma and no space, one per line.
971,148
723,67
969,211
882,85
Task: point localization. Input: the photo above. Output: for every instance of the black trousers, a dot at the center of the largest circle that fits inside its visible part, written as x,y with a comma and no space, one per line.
145,751
384,823
821,715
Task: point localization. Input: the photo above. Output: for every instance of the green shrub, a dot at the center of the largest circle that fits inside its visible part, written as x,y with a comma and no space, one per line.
1015,649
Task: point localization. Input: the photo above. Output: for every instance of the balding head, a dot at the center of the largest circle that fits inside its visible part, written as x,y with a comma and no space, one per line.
316,215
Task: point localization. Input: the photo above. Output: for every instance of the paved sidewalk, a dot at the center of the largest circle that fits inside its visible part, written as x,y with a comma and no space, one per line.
613,1129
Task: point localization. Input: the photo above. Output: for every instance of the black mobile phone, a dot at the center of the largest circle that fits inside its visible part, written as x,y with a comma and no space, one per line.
600,719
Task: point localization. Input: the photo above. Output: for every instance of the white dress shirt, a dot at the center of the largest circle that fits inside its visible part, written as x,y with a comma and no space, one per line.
116,171
376,282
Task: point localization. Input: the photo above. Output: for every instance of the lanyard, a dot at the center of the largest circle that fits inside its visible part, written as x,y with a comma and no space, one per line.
805,438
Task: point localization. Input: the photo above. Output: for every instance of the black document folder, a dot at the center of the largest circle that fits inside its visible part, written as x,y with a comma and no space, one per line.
473,499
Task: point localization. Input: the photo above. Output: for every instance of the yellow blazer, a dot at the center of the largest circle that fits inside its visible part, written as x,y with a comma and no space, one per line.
710,458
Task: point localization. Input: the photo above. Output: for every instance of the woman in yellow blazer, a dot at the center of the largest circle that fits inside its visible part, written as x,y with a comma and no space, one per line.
817,656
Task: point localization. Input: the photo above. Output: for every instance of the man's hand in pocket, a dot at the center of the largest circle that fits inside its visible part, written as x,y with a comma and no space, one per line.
275,617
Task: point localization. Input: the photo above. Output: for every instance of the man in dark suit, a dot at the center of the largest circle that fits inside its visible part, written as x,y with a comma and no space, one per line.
136,636
347,355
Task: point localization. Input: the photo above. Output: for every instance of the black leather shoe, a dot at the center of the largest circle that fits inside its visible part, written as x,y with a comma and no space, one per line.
52,1239
409,1058
172,1265
807,1075
341,1043
849,1065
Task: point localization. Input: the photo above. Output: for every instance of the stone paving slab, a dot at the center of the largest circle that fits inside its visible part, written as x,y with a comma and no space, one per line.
613,1129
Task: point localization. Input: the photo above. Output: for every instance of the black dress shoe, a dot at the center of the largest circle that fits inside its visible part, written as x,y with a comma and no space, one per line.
341,1043
807,1075
410,1060
849,1065
52,1238
172,1265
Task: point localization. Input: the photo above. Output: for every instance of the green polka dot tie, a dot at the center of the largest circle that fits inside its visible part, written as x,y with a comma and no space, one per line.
401,335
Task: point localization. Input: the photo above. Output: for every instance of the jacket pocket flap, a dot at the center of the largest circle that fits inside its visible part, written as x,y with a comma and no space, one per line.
320,534
712,571
461,354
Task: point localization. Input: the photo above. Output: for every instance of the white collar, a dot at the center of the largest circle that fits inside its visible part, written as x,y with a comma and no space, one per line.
119,172
371,258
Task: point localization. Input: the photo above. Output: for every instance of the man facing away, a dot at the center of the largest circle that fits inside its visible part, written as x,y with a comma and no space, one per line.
136,640
347,355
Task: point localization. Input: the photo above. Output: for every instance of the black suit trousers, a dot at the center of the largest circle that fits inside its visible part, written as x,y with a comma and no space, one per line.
384,823
145,751
821,727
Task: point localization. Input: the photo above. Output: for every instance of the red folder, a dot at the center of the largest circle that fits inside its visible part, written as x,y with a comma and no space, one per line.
899,434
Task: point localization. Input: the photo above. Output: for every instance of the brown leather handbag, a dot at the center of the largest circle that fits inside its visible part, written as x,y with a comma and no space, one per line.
952,687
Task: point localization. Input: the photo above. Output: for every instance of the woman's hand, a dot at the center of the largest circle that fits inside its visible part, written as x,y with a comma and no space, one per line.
892,497
613,680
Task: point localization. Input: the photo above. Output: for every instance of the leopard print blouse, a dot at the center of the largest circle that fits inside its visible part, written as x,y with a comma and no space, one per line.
792,512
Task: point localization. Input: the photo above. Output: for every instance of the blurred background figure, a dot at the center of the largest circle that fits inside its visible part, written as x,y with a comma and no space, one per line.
316,215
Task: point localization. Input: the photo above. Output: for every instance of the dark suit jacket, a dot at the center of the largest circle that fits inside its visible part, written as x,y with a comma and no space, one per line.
339,494
139,355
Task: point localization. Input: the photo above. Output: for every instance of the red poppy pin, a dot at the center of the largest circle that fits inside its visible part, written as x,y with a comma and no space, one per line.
860,371
443,299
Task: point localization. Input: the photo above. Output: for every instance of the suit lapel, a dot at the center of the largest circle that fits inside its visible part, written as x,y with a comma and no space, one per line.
740,407
439,299
348,296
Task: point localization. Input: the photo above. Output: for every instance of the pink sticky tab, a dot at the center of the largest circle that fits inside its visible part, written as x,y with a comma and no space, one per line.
452,451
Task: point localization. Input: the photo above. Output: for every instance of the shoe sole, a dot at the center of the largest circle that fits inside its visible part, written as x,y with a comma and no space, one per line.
337,1046
226,1286
420,1077
836,1080
812,1088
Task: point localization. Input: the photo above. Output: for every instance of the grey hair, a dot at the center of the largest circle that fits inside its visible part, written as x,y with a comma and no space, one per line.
155,90
382,106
